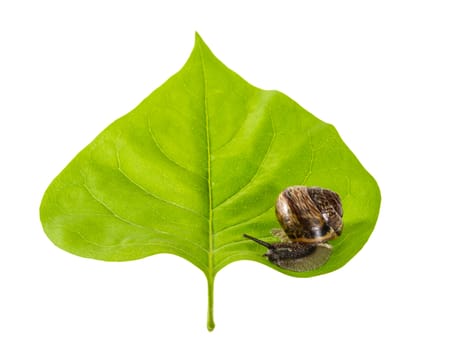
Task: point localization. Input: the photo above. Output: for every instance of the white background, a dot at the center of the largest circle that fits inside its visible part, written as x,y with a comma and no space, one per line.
383,72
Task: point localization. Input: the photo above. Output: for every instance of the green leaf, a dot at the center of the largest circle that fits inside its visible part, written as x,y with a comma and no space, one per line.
196,165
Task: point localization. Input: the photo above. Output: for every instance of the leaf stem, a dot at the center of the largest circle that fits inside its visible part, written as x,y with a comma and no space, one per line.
210,303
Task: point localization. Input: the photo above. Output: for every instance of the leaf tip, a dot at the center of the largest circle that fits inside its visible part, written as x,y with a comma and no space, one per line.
199,40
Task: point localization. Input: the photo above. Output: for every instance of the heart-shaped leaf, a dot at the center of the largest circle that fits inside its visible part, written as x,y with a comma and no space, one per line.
196,165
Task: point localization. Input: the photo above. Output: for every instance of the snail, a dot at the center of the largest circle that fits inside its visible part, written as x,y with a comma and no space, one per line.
310,217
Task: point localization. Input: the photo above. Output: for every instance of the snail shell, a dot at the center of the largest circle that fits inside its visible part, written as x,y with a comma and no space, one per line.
309,216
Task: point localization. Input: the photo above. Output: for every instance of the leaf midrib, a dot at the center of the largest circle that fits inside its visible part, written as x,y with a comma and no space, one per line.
210,272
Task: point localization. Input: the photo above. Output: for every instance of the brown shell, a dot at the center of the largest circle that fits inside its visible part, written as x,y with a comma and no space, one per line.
309,214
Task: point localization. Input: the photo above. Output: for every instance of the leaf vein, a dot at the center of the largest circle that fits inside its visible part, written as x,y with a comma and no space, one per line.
236,132
233,136
233,257
228,245
158,242
146,191
312,156
211,271
254,176
243,222
112,211
162,151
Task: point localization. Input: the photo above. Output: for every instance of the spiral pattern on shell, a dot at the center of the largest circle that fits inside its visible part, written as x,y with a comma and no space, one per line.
309,214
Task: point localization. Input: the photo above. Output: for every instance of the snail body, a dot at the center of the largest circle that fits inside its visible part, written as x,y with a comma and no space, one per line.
309,217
